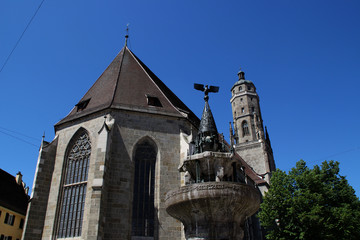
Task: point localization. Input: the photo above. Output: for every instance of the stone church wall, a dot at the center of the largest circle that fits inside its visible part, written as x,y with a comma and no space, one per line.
255,155
40,192
92,126
130,129
107,212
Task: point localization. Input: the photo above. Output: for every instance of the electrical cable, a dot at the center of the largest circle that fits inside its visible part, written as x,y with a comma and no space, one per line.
16,44
12,131
20,139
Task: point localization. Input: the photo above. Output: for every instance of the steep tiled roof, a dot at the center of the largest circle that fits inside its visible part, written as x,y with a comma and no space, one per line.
127,83
12,195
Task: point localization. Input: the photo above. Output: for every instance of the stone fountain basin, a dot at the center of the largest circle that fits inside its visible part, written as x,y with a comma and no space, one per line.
213,166
213,210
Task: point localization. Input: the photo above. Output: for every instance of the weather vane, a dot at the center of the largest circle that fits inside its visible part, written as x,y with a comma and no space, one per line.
206,89
127,33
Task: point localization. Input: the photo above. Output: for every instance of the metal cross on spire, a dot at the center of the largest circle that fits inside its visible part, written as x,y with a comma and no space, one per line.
127,33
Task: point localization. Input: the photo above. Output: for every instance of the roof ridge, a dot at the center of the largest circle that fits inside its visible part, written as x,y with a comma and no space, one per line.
118,77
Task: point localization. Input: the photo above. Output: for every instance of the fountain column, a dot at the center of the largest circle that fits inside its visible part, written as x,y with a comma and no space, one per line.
216,199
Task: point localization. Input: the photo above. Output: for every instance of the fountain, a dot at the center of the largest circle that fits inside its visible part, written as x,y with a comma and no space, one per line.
216,199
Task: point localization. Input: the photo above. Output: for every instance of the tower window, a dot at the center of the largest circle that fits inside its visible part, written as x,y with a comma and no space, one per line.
249,88
241,99
240,88
235,114
242,110
252,109
143,211
245,128
74,188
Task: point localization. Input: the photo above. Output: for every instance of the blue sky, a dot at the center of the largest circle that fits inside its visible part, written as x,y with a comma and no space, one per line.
303,57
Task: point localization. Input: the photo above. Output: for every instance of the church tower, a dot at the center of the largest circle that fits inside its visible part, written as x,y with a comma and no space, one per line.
251,142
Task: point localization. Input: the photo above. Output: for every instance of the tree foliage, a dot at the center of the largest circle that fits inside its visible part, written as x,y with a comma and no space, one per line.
309,203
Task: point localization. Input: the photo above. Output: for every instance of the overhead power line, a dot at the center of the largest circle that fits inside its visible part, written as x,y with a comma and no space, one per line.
16,44
335,154
18,138
12,131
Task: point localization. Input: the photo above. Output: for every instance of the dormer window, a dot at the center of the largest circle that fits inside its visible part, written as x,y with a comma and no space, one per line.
82,105
153,101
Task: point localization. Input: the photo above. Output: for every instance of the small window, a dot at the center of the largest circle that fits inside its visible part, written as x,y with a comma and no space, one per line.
21,223
252,109
235,114
153,101
245,128
9,219
82,105
249,88
240,88
251,99
241,99
242,110
233,91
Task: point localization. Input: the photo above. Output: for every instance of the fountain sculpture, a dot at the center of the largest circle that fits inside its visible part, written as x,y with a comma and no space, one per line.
216,199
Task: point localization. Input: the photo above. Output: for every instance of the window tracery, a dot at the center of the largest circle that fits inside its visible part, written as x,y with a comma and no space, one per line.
74,188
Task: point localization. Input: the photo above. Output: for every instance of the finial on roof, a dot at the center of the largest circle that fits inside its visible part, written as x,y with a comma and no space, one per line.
241,75
127,33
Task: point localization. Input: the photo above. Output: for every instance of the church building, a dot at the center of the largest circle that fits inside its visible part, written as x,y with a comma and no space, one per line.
114,157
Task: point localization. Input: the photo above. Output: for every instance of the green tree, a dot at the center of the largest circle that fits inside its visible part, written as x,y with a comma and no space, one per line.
312,204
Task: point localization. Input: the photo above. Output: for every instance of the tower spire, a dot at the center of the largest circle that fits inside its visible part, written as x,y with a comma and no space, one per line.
207,138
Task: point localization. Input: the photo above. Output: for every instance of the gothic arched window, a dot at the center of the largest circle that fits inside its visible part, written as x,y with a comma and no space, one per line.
143,211
245,128
74,187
